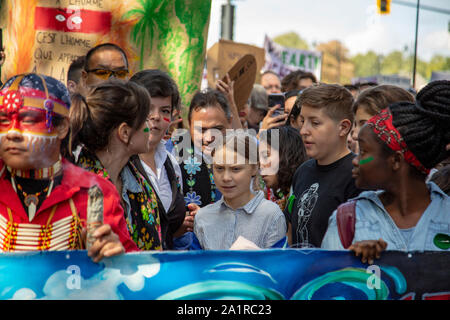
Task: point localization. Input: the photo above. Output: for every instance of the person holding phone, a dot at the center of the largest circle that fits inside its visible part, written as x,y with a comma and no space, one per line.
276,117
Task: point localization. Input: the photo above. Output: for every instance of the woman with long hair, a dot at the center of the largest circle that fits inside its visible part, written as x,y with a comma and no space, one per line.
110,123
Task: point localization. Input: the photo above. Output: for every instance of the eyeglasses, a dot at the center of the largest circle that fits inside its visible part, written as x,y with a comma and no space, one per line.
106,74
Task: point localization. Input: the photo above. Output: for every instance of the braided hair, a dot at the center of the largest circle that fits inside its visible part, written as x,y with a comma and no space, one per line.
425,124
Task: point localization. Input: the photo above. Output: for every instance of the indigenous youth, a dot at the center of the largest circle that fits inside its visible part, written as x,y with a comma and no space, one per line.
398,147
44,198
110,123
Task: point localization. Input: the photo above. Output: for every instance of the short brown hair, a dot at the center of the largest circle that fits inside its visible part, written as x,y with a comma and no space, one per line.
334,99
375,99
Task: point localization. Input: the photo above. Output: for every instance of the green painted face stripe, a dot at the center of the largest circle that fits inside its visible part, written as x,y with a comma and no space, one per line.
367,160
146,129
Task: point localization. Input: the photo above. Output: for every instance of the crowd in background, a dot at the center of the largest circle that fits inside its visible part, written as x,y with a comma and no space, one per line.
303,164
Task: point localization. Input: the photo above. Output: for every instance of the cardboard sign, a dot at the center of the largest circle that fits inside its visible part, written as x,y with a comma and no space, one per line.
223,55
275,274
284,60
45,36
243,73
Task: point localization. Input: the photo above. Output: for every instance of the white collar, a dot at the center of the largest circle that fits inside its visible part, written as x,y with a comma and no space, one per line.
160,155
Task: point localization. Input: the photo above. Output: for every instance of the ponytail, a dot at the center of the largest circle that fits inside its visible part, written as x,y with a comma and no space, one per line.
79,115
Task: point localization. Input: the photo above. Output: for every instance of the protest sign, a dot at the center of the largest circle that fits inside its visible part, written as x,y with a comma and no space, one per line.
223,55
275,274
45,36
243,73
283,60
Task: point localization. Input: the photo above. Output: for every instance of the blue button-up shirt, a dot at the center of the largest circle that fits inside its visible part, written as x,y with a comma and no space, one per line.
373,222
217,226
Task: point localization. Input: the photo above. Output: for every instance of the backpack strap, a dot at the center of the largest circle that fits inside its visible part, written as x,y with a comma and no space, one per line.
346,218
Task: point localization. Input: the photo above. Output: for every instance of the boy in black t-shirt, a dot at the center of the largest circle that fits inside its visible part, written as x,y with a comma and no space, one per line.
322,183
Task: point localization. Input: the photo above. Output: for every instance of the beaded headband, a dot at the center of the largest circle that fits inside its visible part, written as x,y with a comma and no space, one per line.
14,99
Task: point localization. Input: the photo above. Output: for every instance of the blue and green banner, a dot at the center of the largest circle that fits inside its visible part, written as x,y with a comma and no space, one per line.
275,274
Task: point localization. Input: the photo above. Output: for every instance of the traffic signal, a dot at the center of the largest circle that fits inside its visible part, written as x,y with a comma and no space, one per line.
384,6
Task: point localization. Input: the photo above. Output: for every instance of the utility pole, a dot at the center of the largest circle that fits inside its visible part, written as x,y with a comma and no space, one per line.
384,7
415,46
227,22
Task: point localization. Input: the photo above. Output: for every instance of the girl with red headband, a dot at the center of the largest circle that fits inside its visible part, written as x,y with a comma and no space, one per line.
398,147
44,199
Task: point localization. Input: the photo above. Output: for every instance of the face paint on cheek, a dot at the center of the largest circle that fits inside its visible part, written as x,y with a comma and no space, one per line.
365,161
40,142
146,129
166,119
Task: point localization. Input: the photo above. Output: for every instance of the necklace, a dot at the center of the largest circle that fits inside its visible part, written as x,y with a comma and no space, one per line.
31,200
42,173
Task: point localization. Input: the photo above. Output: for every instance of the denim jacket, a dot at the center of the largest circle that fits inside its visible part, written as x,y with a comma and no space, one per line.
373,222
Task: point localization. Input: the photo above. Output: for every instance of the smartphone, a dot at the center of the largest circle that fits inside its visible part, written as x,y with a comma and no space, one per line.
274,99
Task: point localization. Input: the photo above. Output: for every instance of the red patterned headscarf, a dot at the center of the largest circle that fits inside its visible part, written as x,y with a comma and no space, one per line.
382,125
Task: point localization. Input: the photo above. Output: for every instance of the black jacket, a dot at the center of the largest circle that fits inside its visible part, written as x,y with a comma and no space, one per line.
173,219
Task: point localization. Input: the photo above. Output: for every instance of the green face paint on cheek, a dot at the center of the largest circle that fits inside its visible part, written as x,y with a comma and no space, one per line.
365,161
146,129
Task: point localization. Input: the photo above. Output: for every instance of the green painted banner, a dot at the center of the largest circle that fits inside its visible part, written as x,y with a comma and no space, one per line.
45,36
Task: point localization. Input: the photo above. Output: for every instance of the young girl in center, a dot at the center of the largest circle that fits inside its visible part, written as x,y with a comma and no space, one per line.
240,211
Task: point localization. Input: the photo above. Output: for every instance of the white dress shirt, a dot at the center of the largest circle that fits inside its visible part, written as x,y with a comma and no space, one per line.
159,179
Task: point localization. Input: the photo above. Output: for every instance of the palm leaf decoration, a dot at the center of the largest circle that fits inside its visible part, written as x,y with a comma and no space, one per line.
143,31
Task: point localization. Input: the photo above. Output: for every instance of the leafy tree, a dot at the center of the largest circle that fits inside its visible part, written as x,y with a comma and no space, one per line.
438,63
393,63
336,64
367,64
421,66
291,40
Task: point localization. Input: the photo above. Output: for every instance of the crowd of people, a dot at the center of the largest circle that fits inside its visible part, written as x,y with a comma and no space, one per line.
332,167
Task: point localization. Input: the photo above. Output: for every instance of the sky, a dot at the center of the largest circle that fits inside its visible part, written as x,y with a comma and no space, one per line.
354,22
